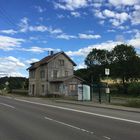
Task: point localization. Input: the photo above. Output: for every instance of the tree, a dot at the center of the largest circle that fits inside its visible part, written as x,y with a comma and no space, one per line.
96,62
125,63
97,57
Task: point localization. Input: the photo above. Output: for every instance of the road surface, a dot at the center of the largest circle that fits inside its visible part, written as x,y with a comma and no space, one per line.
22,119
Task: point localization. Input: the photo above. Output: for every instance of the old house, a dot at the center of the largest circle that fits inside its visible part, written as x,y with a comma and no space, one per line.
53,75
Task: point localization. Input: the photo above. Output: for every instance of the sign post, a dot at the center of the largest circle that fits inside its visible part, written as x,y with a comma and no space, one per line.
107,73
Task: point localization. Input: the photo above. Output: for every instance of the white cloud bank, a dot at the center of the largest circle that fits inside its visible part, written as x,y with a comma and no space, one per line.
71,4
11,66
9,43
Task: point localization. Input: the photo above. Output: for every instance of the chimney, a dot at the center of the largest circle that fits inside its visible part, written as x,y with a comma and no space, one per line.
51,52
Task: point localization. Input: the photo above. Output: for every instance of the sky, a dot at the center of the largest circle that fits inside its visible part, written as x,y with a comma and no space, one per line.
31,28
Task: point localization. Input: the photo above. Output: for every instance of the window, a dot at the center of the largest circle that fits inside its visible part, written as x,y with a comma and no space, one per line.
55,73
32,74
42,74
61,62
43,88
72,87
66,73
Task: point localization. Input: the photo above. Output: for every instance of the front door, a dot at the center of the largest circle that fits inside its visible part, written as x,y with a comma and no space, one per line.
33,89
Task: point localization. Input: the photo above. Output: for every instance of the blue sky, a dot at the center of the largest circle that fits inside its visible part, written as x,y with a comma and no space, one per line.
31,28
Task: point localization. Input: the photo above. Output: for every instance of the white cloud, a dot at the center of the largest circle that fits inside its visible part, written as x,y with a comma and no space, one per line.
108,45
135,42
24,24
116,18
99,14
75,14
135,17
25,27
71,4
40,28
65,36
80,66
122,16
111,30
60,16
10,31
9,43
102,22
108,13
40,9
36,49
137,7
89,36
123,2
15,61
54,31
115,22
29,61
11,66
123,27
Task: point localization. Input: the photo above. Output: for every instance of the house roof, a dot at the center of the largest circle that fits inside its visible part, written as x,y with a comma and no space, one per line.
47,59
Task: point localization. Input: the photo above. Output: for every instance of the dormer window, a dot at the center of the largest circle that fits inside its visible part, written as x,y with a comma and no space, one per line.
61,62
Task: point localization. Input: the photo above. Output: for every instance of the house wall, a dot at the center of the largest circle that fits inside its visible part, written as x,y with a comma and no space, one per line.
69,83
38,81
54,64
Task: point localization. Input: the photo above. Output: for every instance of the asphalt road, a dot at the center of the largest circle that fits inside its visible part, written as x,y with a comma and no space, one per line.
29,120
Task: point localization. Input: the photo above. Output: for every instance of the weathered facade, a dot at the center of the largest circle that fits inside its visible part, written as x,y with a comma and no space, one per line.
53,75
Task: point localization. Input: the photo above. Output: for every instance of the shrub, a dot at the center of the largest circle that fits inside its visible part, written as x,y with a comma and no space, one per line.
134,88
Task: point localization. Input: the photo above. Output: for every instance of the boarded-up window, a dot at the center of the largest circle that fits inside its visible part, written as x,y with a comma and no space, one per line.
72,87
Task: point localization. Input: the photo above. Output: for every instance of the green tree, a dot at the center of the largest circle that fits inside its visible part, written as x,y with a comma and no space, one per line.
125,64
97,57
97,60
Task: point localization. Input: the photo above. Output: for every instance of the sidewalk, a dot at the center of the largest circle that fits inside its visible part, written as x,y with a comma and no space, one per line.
98,105
82,103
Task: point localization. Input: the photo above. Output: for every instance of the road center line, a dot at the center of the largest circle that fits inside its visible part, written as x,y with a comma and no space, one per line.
7,105
72,126
80,111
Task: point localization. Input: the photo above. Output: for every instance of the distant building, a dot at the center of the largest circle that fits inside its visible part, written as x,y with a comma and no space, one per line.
53,75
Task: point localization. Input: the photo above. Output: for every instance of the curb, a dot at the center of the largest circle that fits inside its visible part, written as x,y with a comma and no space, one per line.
105,107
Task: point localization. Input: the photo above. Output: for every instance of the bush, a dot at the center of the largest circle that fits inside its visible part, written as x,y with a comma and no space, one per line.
134,88
133,103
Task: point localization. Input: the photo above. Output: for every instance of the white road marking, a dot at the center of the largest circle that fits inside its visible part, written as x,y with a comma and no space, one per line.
7,105
79,111
72,126
107,137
